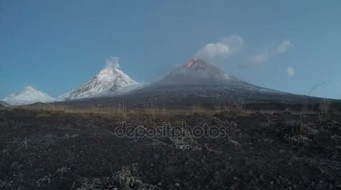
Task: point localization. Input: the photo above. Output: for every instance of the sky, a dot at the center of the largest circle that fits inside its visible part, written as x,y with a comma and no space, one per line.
56,46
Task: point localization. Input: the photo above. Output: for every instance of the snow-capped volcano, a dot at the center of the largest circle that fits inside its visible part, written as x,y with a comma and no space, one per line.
110,80
28,95
197,71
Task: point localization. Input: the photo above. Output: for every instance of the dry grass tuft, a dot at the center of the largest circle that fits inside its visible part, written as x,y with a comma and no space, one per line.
324,111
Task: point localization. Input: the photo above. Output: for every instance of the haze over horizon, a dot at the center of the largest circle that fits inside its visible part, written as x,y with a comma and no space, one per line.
57,46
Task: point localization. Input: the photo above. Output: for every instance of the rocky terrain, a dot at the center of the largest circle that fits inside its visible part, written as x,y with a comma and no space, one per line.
49,148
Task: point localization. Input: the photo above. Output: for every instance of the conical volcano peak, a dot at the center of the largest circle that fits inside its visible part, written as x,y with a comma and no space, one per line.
110,80
197,79
28,89
201,66
107,74
196,64
197,72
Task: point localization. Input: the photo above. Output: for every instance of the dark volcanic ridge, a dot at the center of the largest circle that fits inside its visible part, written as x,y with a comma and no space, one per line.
3,104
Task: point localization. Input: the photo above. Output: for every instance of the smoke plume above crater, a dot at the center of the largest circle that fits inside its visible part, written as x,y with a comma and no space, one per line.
222,48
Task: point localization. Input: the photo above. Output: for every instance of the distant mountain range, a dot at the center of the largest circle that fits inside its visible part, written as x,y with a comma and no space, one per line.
195,82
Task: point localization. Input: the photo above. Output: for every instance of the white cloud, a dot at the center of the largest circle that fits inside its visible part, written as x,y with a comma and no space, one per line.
264,55
290,71
223,48
284,46
234,42
256,59
212,50
113,62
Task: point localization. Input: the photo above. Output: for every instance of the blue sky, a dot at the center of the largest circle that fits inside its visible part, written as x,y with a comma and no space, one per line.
56,46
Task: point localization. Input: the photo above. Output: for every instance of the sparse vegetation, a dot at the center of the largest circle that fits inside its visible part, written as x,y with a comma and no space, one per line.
233,109
324,111
127,179
63,147
198,109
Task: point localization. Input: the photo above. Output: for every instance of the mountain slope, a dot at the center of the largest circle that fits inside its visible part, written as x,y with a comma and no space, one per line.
3,104
110,80
199,75
28,95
